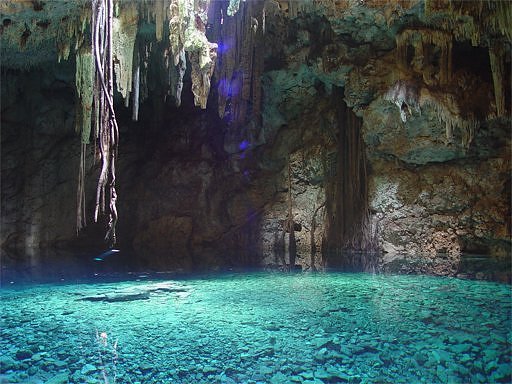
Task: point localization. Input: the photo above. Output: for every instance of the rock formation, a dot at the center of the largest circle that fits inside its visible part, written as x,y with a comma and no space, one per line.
364,134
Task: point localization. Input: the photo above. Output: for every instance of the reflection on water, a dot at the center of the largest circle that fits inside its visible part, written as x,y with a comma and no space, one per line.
259,328
69,266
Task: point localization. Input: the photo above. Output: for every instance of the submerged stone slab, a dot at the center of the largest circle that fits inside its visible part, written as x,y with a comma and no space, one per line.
143,292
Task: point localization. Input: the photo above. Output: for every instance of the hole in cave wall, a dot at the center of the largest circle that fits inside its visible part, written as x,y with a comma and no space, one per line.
319,34
476,62
472,59
469,246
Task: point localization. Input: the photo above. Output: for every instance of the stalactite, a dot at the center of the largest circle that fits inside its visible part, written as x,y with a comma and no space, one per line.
187,28
468,30
503,19
469,20
449,114
405,96
71,29
446,59
181,69
468,128
159,18
497,60
84,82
202,55
418,36
292,9
136,89
401,50
201,78
408,97
241,62
176,35
124,34
176,31
233,7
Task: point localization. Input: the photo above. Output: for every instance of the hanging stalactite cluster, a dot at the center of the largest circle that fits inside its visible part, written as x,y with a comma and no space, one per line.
426,78
72,29
470,20
419,39
474,21
405,95
410,98
240,58
113,50
84,86
124,33
497,61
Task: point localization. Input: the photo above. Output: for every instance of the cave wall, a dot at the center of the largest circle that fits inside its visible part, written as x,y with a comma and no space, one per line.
200,191
38,150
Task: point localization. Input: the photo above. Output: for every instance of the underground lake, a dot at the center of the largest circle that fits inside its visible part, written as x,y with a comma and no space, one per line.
255,191
258,327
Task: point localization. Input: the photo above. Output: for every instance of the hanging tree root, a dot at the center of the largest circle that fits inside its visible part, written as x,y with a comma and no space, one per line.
108,134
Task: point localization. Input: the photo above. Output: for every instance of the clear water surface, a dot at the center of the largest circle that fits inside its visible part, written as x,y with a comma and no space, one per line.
259,328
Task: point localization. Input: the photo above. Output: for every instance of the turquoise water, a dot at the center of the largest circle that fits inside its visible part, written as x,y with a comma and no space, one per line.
259,328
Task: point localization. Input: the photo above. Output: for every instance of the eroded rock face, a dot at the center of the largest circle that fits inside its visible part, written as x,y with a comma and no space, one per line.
439,211
198,192
39,149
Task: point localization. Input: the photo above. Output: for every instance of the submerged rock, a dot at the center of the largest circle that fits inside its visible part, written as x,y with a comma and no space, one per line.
117,297
138,293
23,354
61,378
87,369
7,364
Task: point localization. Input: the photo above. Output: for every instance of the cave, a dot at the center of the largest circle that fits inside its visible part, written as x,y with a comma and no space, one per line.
251,177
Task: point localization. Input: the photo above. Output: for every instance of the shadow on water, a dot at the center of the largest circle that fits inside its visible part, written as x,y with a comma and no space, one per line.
55,266
464,266
485,267
351,261
111,265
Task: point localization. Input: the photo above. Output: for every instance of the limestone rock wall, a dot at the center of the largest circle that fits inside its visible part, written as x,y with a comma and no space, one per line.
198,192
39,151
